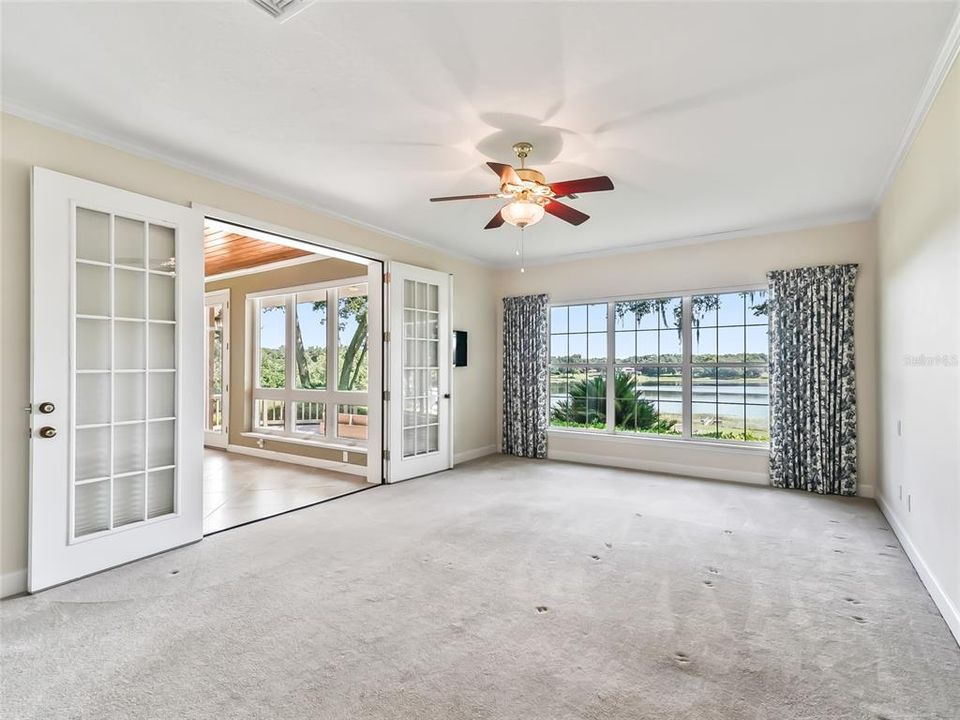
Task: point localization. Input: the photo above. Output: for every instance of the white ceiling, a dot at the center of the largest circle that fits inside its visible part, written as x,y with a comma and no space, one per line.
709,117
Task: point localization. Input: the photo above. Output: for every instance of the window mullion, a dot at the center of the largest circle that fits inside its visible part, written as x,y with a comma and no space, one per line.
291,364
611,369
686,372
333,360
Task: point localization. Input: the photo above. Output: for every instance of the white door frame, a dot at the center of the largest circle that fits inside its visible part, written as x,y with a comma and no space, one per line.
375,262
218,439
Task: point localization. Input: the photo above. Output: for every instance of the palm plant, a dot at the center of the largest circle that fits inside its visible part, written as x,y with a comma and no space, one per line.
587,405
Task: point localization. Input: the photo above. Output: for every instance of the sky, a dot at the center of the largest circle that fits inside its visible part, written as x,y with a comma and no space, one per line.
314,333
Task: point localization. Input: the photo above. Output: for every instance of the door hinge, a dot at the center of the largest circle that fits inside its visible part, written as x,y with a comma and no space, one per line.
386,278
386,395
386,454
386,336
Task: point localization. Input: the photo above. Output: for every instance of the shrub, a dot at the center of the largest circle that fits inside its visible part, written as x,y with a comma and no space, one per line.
586,406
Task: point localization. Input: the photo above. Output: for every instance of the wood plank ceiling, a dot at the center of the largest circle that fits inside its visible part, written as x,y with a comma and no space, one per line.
225,252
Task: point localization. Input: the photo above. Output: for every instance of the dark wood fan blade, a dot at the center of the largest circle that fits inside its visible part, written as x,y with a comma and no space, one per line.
583,185
506,172
495,222
464,197
565,212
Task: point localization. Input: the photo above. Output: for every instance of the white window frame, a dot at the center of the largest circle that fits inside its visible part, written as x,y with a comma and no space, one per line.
330,397
686,368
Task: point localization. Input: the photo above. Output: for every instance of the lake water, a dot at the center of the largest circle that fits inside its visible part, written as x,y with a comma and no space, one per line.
756,397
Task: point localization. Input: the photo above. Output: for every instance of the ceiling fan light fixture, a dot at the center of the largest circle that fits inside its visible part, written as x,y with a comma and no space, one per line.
522,213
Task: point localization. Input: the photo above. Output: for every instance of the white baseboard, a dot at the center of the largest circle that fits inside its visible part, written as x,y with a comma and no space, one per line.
13,583
865,491
348,468
632,463
468,455
949,611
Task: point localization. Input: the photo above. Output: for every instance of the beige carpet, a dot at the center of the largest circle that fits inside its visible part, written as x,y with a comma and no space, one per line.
503,589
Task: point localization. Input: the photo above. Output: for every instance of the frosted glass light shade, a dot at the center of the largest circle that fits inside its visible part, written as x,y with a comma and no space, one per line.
522,213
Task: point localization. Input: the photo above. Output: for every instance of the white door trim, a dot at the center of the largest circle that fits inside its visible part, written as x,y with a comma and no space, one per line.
375,262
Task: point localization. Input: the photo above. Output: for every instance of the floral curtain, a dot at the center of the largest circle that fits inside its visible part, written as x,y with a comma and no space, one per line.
525,358
813,399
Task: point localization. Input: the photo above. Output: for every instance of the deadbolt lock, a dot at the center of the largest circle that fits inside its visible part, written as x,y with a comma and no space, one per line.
48,432
47,408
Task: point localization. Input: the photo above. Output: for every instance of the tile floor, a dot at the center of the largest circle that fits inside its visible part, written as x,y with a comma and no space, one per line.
238,488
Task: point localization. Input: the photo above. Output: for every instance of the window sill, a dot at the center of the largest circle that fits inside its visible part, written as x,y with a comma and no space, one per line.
730,446
333,445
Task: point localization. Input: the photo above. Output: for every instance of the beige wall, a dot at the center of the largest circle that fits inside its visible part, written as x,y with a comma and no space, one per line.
25,144
240,344
710,266
919,251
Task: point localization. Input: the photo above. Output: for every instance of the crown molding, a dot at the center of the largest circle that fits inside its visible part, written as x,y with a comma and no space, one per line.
835,217
938,73
55,122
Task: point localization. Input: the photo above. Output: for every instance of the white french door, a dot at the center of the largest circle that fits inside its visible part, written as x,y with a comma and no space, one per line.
420,406
117,377
216,360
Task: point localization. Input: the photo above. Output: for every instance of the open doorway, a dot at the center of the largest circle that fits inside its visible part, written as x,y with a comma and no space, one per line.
289,392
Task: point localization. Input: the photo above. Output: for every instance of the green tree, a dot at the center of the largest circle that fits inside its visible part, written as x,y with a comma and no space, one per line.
353,360
700,305
311,361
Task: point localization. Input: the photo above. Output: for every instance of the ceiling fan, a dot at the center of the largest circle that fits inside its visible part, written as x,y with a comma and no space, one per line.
531,196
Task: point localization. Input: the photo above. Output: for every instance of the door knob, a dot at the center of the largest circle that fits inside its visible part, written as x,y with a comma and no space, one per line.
47,407
48,432
446,396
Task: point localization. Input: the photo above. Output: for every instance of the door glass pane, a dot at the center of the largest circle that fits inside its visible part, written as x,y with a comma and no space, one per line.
162,346
213,417
93,235
129,397
92,453
352,337
129,293
130,350
91,508
126,323
421,377
93,290
128,499
162,297
161,490
161,441
93,344
162,249
129,448
163,399
93,398
129,242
